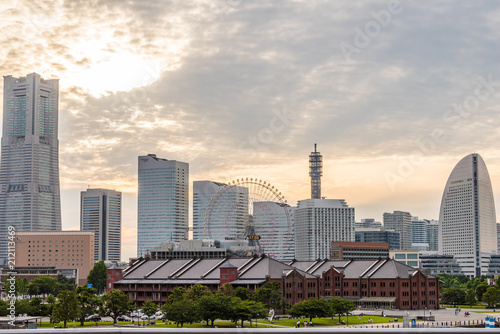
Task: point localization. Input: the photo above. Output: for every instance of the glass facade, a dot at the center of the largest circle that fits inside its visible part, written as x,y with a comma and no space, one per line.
274,224
219,211
29,170
163,204
100,212
467,217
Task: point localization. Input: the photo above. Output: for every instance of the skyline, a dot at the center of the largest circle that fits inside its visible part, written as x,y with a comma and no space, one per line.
244,89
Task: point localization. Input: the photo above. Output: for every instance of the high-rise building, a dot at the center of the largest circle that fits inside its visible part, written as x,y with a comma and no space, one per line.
220,211
368,223
163,203
64,250
467,217
433,235
379,235
400,221
425,232
101,213
315,172
498,238
318,222
29,170
274,224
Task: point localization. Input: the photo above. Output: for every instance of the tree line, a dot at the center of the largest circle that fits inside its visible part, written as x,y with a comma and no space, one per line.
461,290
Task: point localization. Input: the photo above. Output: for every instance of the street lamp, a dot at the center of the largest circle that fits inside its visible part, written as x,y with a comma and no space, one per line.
425,308
256,319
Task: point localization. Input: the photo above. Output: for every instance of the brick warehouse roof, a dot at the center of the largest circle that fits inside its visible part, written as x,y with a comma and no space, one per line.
257,269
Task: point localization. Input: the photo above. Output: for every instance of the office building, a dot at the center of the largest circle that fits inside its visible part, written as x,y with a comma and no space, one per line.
163,204
436,264
498,238
101,213
220,211
318,222
378,235
368,223
400,221
274,224
410,257
344,250
425,231
381,283
467,217
29,169
60,249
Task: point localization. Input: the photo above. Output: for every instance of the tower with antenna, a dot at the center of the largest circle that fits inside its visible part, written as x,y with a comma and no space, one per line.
315,172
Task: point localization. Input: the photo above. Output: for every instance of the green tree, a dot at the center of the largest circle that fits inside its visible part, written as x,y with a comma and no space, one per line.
340,306
310,308
242,293
3,307
226,289
215,306
196,291
97,277
43,285
470,297
270,294
88,301
242,310
480,289
38,308
176,295
65,283
115,303
491,296
149,308
181,311
66,308
453,296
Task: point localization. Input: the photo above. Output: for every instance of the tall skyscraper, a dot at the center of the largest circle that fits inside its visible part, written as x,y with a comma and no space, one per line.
400,221
219,211
315,172
274,223
318,222
29,169
163,204
467,217
101,212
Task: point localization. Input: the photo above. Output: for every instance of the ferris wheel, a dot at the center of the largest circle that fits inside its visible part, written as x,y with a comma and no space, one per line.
253,209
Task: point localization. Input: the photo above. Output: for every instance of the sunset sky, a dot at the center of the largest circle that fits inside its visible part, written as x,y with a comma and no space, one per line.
393,93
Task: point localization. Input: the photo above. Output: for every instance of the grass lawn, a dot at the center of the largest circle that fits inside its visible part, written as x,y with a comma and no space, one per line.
353,320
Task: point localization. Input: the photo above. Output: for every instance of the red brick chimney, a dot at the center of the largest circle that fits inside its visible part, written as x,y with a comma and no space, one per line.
113,274
228,273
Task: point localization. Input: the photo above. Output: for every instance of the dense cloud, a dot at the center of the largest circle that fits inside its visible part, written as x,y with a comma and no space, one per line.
238,86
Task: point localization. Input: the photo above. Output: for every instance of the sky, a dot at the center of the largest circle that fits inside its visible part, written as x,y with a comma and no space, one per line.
394,93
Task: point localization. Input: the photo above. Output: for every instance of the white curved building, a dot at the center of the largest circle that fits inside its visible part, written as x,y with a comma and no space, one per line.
467,219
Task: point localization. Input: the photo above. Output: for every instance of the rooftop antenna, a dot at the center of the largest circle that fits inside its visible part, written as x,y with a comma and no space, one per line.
315,172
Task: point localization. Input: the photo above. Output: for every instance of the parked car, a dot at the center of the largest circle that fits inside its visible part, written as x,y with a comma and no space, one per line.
93,318
123,318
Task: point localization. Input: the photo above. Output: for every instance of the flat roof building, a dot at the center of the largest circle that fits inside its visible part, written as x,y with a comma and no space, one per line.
343,250
59,249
